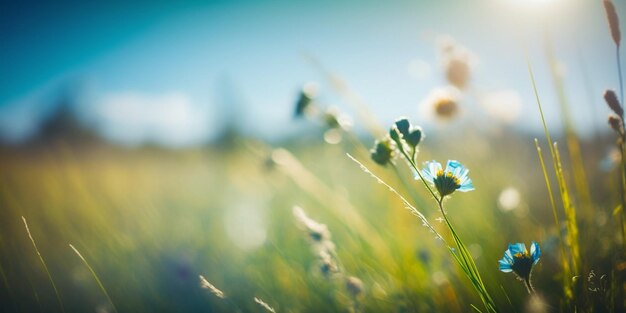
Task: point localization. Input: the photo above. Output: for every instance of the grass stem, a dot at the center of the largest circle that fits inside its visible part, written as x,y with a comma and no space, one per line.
56,291
95,276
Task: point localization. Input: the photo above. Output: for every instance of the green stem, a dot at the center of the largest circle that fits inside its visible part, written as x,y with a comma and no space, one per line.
619,73
529,286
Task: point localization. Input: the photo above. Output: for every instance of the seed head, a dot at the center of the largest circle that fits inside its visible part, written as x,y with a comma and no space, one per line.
611,16
616,123
204,283
354,286
611,100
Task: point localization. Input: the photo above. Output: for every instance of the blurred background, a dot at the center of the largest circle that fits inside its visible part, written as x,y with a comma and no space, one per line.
167,140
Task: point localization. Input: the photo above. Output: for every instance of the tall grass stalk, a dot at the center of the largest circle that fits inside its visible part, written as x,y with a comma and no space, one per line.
569,210
264,305
614,29
463,258
570,213
56,291
619,74
573,146
95,276
567,288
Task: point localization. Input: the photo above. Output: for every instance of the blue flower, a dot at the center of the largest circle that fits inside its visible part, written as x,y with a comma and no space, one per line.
519,261
454,177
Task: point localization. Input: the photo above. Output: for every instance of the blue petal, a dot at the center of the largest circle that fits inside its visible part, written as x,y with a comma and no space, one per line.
452,165
504,266
517,248
508,256
535,252
462,174
430,171
466,186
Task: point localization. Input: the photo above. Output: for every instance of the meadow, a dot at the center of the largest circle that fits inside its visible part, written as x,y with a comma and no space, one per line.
333,220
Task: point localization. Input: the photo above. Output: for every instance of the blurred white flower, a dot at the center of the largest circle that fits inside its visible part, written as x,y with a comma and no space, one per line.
457,61
441,104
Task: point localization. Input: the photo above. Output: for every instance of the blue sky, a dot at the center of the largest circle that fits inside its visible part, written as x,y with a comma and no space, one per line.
188,52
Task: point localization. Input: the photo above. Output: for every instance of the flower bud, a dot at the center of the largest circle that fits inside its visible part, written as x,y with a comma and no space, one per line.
382,153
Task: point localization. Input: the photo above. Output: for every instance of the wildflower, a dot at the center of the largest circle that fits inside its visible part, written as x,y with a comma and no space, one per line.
306,99
454,177
383,151
445,107
441,104
457,62
519,261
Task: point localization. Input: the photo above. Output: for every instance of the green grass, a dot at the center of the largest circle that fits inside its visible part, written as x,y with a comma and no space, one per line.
151,221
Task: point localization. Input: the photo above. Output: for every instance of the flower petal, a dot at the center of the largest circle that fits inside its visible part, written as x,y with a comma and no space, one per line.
535,252
504,266
452,165
508,256
466,186
517,248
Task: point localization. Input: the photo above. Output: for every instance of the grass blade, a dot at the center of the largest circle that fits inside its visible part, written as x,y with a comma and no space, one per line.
56,291
95,276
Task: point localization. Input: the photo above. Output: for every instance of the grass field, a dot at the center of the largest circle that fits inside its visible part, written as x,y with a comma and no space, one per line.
150,221
323,222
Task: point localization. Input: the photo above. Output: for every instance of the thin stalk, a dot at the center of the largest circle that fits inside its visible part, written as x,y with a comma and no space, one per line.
623,191
95,276
407,186
619,73
622,149
507,298
570,213
569,209
56,291
466,261
529,286
564,262
573,146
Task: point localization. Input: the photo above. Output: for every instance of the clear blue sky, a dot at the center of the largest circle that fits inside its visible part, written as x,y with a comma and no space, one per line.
189,51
